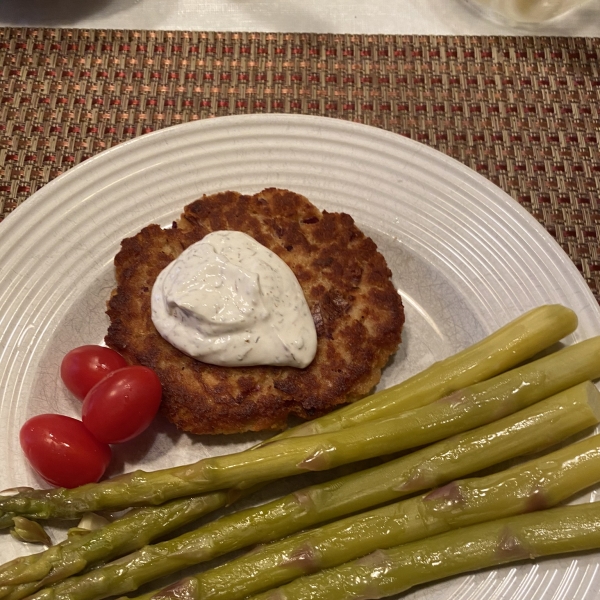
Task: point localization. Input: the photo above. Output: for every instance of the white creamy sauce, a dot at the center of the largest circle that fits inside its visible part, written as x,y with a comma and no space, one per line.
229,301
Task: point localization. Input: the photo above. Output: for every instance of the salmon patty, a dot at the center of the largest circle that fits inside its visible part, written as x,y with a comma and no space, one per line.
356,309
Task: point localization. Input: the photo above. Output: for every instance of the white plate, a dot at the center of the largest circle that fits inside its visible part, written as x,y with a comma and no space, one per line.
465,257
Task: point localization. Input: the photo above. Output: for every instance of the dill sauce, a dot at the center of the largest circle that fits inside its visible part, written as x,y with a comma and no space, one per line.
229,301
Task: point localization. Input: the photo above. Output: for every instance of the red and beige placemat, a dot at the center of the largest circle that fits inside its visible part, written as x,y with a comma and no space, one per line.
522,111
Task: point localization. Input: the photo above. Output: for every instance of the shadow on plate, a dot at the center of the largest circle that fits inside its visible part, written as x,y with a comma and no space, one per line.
39,13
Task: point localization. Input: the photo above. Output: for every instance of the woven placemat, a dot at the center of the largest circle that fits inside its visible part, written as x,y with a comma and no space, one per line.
522,111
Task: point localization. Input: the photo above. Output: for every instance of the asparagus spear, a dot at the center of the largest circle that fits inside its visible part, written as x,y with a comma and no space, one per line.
538,484
387,572
533,428
504,349
132,531
459,412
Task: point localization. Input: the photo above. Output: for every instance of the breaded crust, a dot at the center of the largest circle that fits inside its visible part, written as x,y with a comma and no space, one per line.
356,309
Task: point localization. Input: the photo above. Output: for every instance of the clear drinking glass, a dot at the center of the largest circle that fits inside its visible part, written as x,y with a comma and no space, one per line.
526,11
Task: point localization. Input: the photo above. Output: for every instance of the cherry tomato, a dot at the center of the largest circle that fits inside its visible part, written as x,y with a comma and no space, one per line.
123,404
82,368
63,451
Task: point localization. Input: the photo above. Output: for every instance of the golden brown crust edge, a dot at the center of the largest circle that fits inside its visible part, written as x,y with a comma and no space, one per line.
347,284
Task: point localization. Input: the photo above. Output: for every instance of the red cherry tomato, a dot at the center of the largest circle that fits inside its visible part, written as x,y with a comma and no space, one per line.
63,451
123,404
82,368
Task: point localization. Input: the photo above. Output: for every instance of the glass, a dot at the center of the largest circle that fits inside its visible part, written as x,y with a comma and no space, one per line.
525,11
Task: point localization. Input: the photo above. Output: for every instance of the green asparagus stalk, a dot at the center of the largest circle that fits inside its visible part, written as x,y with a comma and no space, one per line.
386,572
533,428
509,346
535,485
482,403
128,533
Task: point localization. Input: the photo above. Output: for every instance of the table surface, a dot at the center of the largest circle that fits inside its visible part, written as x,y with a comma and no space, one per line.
435,17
